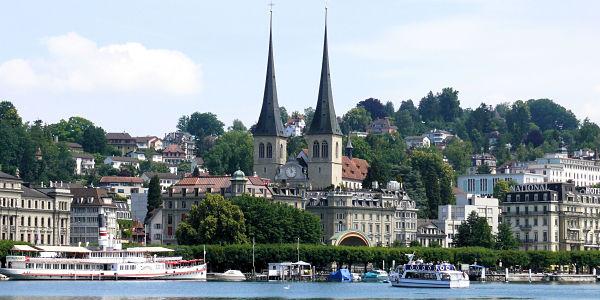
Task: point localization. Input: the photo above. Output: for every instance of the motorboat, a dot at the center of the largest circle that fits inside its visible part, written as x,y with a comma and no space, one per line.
341,275
375,275
417,274
229,275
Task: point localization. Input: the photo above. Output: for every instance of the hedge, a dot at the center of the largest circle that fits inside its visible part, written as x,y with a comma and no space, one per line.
223,257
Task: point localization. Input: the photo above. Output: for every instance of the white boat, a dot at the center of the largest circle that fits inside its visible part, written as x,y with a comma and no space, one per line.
229,275
376,275
426,275
80,263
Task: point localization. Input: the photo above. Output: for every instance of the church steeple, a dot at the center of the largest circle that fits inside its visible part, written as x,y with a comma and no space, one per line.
270,144
269,122
325,120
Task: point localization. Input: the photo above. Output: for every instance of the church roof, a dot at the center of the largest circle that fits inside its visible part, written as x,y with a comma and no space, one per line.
354,169
324,120
269,122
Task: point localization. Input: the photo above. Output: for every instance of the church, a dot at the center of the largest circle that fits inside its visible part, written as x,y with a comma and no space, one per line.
324,181
321,166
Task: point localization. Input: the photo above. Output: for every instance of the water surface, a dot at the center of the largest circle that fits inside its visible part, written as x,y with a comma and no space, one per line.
262,290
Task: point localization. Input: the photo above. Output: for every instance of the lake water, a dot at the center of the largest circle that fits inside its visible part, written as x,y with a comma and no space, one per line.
261,290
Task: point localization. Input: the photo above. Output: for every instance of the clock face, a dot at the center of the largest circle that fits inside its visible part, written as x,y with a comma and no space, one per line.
290,172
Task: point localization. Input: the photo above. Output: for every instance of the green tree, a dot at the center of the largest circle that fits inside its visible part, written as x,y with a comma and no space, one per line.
474,232
518,119
309,113
213,221
375,108
458,154
295,144
231,151
71,130
437,177
449,104
429,108
505,240
93,140
154,194
283,114
238,125
356,119
274,223
201,126
546,114
501,188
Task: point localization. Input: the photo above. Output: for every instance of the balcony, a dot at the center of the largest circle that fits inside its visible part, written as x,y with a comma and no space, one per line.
525,227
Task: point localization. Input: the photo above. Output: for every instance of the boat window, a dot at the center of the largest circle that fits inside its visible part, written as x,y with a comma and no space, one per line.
71,267
63,266
446,277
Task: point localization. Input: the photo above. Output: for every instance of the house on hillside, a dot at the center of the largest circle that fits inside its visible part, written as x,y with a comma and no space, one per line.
84,163
123,186
118,161
121,141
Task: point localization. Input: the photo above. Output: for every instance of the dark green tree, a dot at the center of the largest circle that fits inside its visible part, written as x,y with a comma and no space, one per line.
93,140
505,240
449,104
231,151
501,188
474,232
201,126
154,194
238,125
429,108
375,108
458,154
213,221
275,223
356,119
283,114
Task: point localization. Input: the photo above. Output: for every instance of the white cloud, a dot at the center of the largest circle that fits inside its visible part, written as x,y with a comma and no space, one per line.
77,64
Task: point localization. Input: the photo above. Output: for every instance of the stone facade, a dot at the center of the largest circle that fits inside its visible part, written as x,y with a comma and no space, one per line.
554,216
381,217
38,216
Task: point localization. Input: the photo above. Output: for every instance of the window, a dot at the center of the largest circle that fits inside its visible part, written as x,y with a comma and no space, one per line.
261,150
169,219
315,149
269,150
337,150
324,149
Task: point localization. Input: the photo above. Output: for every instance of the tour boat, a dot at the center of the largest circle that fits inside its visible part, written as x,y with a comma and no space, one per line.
375,276
80,263
426,275
109,262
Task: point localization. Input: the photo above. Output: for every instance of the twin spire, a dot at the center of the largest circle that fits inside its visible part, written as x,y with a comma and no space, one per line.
324,120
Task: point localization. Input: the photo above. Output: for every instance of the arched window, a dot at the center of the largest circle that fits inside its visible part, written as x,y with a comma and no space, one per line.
337,150
269,150
324,149
280,151
316,149
261,150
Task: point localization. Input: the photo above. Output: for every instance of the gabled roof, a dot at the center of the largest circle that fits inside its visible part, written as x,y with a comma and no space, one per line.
82,155
269,123
354,169
8,176
32,193
118,136
145,139
120,179
173,148
124,159
325,120
162,175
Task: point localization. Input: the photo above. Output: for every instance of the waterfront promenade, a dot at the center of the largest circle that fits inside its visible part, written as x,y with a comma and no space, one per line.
289,290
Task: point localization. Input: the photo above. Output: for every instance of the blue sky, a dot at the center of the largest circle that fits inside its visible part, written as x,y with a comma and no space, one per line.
137,66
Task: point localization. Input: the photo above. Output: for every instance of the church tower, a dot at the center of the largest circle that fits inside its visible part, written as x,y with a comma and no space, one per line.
270,144
324,137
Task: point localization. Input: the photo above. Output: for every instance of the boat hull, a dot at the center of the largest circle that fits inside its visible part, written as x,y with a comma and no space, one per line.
420,283
192,273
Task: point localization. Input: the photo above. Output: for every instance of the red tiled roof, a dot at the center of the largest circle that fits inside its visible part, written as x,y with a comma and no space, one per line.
216,182
355,169
119,179
173,148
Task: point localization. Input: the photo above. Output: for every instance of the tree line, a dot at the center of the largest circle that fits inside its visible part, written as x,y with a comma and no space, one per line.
224,257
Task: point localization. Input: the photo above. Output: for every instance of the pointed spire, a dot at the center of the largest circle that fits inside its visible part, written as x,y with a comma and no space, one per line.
349,147
325,120
269,123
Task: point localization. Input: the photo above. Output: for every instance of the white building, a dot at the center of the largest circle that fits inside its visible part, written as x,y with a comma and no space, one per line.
149,142
483,184
155,227
118,161
139,155
88,205
439,137
450,217
166,180
124,186
418,141
84,163
294,127
558,167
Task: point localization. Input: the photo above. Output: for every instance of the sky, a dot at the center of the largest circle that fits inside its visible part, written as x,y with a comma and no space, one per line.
137,66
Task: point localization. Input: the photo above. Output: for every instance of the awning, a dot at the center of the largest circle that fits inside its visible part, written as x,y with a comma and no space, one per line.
149,249
24,248
68,249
